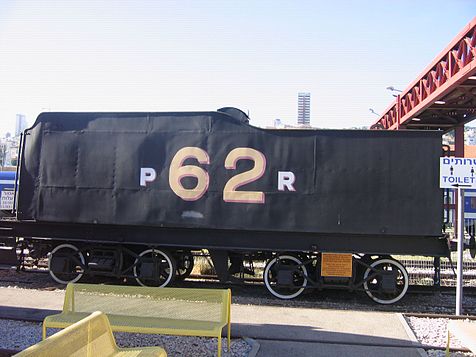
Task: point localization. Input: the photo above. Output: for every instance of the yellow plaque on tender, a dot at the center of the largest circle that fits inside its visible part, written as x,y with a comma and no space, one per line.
334,264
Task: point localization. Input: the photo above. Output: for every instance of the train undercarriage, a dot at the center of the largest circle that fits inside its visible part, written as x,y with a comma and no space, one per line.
286,275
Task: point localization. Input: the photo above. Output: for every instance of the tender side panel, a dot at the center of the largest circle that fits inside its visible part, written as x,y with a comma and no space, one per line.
208,170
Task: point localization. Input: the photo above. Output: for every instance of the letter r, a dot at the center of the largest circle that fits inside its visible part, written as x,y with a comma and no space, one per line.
286,179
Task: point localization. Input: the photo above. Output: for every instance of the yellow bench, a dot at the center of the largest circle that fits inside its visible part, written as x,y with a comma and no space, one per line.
89,337
168,311
465,332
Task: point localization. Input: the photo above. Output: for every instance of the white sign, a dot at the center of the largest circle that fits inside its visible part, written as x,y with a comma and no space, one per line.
6,200
457,172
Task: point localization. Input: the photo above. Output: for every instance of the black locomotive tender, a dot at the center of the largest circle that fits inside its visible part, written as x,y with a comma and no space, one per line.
137,194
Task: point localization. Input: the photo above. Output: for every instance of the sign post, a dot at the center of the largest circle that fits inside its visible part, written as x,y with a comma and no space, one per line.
459,275
458,173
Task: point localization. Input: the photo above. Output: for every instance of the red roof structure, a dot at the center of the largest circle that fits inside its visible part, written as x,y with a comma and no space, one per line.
444,95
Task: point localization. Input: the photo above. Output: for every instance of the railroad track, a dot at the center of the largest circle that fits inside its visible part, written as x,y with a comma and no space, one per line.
419,299
248,281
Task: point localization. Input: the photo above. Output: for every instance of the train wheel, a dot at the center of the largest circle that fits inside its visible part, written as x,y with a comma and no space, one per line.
65,264
184,265
386,281
154,267
285,276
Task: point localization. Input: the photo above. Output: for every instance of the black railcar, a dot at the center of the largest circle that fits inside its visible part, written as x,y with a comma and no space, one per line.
137,193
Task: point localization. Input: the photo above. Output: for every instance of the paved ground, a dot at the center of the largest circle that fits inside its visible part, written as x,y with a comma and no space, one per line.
280,331
288,331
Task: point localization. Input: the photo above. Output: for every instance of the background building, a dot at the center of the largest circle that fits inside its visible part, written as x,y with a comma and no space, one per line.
278,124
304,109
9,151
20,124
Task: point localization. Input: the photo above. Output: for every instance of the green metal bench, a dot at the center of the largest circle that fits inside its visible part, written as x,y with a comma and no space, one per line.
89,337
138,309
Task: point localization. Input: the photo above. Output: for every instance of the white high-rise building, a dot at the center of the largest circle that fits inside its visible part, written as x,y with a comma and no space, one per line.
20,124
278,124
304,109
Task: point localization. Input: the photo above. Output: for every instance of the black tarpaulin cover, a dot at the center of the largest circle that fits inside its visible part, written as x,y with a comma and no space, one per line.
208,169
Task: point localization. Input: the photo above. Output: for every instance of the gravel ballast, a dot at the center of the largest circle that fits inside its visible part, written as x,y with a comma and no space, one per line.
433,332
428,331
18,335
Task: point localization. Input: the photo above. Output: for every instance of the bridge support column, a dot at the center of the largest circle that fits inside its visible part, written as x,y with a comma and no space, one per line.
459,141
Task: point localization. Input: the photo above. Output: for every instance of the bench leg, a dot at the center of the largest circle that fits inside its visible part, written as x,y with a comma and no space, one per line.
44,331
219,345
448,345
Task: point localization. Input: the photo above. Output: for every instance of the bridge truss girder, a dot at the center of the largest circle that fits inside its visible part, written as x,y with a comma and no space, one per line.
444,95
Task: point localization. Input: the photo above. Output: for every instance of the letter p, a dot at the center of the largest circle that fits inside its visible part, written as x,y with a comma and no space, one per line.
147,174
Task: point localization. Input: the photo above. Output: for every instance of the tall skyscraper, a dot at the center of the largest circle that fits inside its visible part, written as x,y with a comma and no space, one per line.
20,124
304,109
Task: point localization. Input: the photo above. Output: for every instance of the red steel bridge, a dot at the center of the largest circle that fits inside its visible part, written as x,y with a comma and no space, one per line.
443,97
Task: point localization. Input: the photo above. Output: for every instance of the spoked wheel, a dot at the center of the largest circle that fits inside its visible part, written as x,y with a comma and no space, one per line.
184,263
65,264
154,267
285,276
386,281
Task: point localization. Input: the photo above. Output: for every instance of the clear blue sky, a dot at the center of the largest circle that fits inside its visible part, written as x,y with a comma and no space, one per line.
203,55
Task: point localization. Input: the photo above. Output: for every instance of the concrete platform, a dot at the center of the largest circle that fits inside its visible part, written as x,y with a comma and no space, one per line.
280,331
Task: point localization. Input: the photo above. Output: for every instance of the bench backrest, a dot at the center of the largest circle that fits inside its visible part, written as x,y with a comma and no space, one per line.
90,336
174,303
